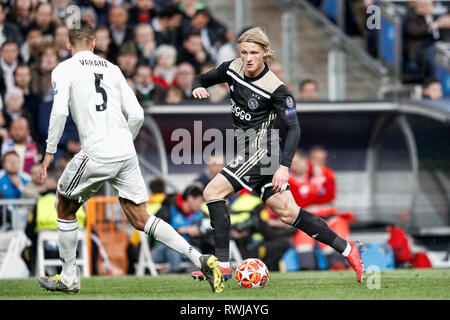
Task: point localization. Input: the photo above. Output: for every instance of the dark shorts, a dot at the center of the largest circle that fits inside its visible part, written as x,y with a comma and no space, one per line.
250,173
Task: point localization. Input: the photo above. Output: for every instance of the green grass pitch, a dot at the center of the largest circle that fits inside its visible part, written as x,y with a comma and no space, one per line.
317,285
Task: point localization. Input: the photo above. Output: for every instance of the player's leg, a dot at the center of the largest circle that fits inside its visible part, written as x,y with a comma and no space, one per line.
284,205
159,229
67,225
71,194
215,195
67,236
335,261
133,197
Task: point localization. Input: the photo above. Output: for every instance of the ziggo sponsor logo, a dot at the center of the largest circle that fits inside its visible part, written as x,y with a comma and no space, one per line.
240,113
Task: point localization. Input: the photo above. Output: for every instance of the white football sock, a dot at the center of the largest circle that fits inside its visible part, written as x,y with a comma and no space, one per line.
165,233
67,243
347,250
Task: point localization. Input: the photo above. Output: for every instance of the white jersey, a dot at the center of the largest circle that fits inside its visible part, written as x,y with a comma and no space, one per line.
96,93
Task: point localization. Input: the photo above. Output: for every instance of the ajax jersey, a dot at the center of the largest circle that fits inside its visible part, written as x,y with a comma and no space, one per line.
97,95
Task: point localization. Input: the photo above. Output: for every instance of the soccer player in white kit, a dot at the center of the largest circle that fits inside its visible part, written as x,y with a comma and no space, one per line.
97,95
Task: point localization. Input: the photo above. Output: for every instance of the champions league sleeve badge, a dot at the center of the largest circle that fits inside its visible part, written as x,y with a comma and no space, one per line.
290,104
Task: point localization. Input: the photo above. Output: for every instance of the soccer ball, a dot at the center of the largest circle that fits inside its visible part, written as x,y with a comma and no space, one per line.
252,273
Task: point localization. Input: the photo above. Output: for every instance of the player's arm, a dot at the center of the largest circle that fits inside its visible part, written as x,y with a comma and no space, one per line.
58,116
208,79
284,105
131,106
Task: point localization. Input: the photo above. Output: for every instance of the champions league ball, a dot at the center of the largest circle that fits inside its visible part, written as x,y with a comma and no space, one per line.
252,273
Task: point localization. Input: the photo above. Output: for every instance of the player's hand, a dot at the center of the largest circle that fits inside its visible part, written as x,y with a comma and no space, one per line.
200,93
48,159
280,177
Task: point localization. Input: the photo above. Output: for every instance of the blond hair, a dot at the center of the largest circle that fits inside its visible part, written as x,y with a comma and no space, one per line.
258,36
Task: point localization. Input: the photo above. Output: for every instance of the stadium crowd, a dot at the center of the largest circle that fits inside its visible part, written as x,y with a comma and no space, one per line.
423,23
158,45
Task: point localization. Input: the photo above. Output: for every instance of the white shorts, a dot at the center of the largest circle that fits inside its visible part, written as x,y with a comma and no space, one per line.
83,177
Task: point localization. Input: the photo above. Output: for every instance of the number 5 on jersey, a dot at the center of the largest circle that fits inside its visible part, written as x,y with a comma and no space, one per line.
99,89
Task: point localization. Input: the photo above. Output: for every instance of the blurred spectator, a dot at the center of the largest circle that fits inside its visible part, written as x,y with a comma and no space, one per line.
127,59
146,44
193,52
277,69
309,191
21,14
35,188
146,90
22,143
29,51
322,176
166,26
185,77
318,156
226,52
165,70
212,32
356,19
141,11
174,95
432,89
213,166
9,60
59,9
102,43
14,107
12,180
421,30
304,193
101,8
43,20
88,14
190,7
60,41
3,131
8,31
22,80
119,29
309,90
219,92
182,212
41,71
